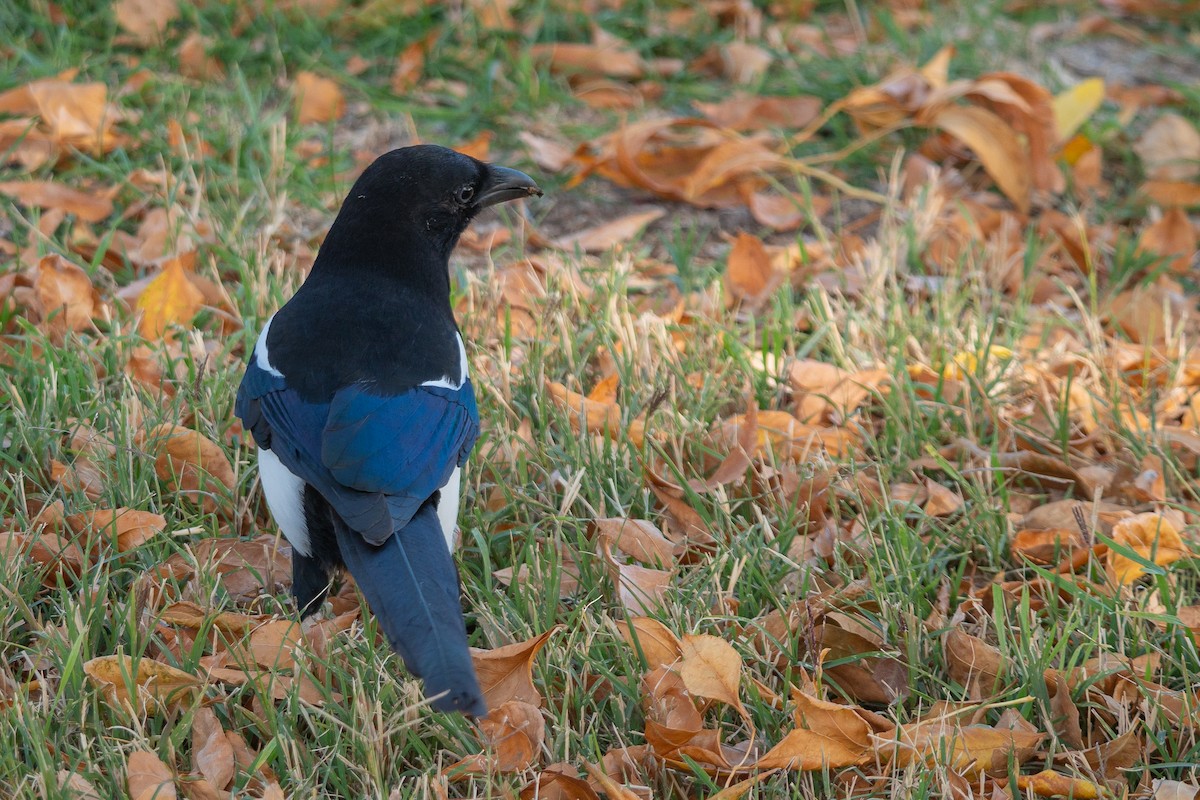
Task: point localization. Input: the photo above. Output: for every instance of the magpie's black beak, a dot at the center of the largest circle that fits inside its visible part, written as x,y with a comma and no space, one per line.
504,184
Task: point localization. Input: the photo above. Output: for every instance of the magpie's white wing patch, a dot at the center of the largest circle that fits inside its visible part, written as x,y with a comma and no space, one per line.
261,358
448,381
448,506
285,497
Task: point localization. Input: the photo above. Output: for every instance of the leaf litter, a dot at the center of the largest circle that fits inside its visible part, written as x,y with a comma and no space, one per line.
818,683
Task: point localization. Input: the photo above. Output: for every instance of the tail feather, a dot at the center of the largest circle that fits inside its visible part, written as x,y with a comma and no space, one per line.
411,584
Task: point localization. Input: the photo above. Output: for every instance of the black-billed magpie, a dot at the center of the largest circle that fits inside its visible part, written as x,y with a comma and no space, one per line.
358,398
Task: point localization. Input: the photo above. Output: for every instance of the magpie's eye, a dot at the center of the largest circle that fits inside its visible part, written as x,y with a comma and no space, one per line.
465,194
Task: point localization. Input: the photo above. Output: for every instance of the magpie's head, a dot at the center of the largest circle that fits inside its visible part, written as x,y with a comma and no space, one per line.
433,192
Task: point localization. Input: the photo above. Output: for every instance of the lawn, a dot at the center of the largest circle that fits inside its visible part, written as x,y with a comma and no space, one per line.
840,399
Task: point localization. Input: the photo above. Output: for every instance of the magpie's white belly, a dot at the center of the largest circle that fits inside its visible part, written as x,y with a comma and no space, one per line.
448,506
285,498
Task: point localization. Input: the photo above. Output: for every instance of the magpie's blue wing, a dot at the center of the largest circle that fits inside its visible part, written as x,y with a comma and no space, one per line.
403,446
375,458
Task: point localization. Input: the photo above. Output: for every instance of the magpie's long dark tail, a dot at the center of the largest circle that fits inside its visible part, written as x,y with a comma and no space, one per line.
411,583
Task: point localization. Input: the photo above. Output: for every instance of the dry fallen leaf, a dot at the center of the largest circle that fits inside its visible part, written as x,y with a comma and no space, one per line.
607,235
1173,237
657,644
157,685
506,673
125,528
827,735
1153,537
750,277
145,20
712,668
317,99
513,734
212,754
170,298
76,787
1170,149
192,465
88,206
148,778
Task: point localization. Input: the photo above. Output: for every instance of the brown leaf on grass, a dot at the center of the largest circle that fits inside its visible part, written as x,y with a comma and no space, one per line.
212,754
148,778
996,145
557,783
192,465
1165,789
124,528
1047,546
1049,783
317,99
82,475
76,787
1170,149
735,791
639,589
1172,193
170,298
274,645
410,65
966,749
748,112
272,684
612,789
1113,757
506,673
190,614
145,20
636,538
656,642
1151,536
750,277
740,62
156,686
87,206
58,556
1172,237
684,523
667,702
546,153
57,114
584,414
607,235
973,663
782,437
684,159
827,735
711,668
65,298
607,55
513,734
195,61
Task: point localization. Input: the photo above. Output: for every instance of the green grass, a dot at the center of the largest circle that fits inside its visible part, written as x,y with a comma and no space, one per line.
265,205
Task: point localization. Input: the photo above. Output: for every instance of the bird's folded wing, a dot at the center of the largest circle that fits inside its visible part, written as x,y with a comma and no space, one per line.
375,458
403,446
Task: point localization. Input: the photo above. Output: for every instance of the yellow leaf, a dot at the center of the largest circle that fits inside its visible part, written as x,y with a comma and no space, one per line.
169,299
1151,536
1076,105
